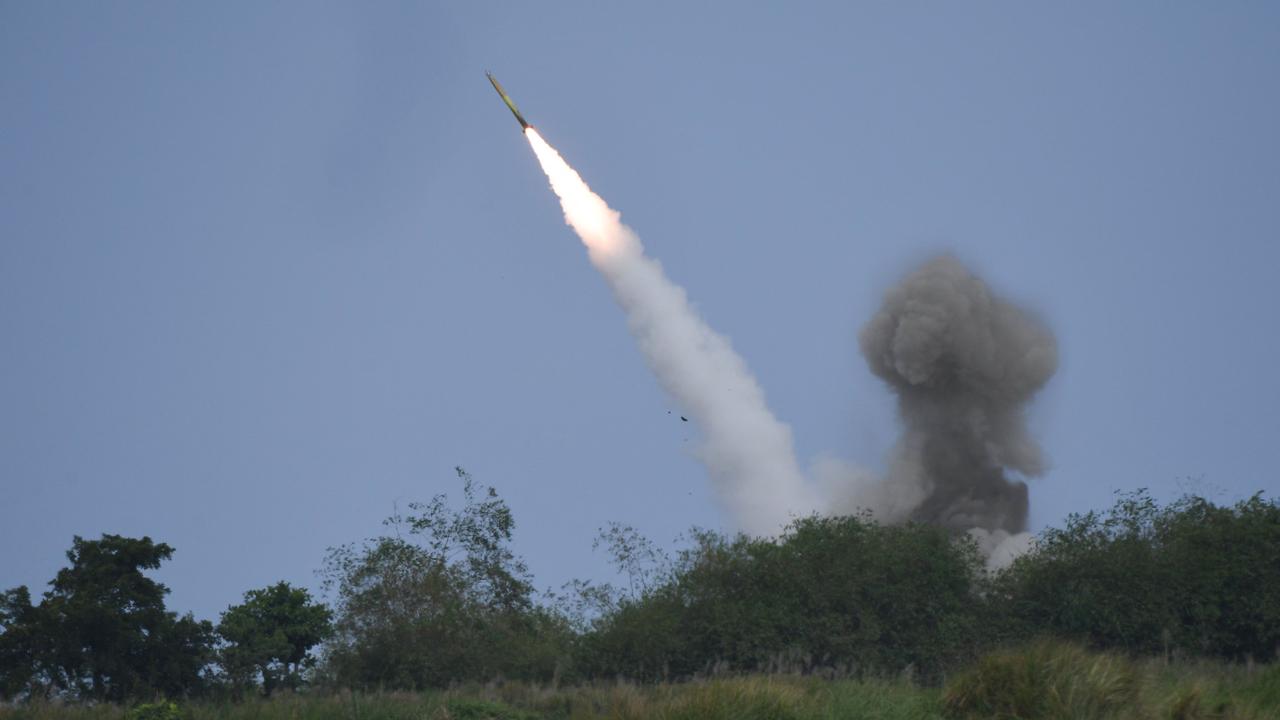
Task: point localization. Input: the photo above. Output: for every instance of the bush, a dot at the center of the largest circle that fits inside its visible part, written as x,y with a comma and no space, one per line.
154,711
442,600
839,596
1048,680
1189,578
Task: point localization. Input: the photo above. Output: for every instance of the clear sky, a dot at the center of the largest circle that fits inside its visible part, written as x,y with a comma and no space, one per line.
269,269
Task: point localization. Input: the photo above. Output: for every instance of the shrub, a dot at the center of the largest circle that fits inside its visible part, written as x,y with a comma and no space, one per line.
154,711
838,596
1048,680
1187,578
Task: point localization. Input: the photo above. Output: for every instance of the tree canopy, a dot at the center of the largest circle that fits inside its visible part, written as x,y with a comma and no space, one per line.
102,631
442,598
271,635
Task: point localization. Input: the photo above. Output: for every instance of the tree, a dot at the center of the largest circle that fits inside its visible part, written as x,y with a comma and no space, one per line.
102,631
19,642
835,594
271,633
636,557
1190,577
439,600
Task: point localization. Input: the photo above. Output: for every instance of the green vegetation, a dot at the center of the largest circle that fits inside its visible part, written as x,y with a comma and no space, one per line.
836,596
1044,680
1142,611
1047,680
441,600
101,632
1188,579
271,635
154,711
1055,680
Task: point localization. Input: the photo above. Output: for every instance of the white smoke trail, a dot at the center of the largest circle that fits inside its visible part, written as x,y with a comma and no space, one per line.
747,451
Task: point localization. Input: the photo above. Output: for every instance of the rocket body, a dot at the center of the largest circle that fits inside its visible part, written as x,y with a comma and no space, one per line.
507,99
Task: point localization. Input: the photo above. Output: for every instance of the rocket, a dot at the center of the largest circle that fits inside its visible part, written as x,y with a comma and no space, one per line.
507,99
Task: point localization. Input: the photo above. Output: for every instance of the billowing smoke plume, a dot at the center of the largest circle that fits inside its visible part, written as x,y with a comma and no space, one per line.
963,363
747,450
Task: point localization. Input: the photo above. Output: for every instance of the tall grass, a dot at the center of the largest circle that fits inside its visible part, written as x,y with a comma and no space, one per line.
1191,691
1062,681
777,697
1046,681
745,698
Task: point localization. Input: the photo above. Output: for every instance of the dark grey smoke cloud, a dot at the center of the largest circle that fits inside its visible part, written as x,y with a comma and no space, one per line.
964,363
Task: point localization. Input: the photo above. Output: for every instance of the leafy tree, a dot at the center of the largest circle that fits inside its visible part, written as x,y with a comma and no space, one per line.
1190,577
441,599
1096,579
636,557
838,594
399,616
1225,577
19,643
271,634
101,631
645,566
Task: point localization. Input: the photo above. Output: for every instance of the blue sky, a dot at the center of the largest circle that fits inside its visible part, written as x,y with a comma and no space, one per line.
269,269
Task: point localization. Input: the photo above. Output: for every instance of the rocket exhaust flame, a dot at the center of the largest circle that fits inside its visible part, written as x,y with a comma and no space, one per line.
747,451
